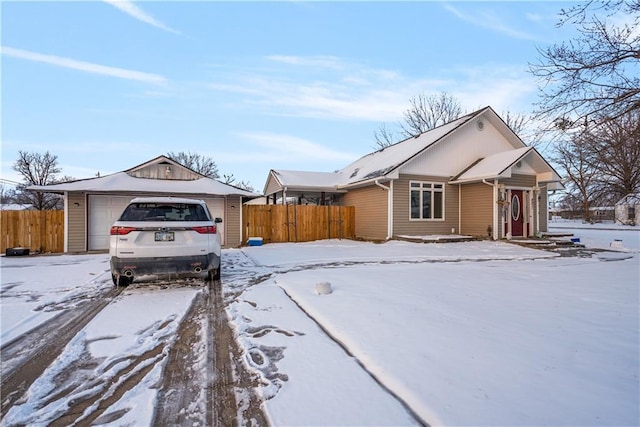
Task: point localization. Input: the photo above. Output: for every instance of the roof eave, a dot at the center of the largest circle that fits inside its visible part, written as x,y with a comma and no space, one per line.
365,182
316,189
475,179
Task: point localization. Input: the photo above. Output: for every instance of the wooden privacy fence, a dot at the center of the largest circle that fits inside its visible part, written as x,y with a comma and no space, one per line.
298,223
40,231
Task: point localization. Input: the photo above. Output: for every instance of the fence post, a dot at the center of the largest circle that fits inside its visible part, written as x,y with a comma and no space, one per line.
286,215
295,222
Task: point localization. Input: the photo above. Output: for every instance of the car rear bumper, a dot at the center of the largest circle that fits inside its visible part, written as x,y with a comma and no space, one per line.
194,264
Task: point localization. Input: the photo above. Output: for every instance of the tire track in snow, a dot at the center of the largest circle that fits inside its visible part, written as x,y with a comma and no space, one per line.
28,356
110,392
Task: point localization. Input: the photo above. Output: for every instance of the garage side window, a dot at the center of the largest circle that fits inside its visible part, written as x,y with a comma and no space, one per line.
427,200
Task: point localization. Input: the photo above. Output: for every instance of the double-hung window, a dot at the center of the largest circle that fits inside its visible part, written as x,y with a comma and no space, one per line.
427,200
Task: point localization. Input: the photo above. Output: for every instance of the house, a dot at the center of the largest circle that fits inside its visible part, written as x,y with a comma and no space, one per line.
92,205
472,176
627,209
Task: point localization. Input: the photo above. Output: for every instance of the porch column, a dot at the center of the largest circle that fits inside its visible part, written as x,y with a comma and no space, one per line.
536,198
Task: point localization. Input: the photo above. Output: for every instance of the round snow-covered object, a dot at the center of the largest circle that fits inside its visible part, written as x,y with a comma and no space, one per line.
323,288
616,244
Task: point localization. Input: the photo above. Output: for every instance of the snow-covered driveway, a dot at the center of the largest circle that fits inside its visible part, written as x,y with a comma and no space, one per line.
480,333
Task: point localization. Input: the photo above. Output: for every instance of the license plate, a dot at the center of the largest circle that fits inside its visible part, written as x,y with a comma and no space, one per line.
165,236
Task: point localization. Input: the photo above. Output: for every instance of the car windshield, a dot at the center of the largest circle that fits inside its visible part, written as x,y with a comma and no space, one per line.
164,212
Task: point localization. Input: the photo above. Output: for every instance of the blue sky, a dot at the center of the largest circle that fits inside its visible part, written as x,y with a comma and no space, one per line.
256,86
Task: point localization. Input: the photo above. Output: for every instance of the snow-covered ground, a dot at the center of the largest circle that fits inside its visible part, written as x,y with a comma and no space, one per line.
601,235
476,333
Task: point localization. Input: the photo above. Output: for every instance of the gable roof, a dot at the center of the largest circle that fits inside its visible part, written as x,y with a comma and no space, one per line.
386,163
630,199
492,166
162,159
318,181
123,182
389,159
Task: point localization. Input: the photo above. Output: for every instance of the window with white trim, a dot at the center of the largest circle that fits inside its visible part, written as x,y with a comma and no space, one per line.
426,199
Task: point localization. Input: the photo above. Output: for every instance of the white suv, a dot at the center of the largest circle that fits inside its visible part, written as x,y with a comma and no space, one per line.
164,236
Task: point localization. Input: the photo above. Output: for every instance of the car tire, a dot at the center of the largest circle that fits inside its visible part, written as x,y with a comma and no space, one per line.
122,280
214,274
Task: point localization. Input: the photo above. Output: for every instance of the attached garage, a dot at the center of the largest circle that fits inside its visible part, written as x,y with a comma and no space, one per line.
93,205
103,211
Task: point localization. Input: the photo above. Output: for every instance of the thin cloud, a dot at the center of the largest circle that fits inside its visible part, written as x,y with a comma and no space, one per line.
320,99
362,93
279,145
131,9
342,90
88,67
490,22
330,62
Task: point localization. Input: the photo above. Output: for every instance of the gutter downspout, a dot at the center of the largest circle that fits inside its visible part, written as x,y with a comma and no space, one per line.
389,207
494,185
65,247
460,209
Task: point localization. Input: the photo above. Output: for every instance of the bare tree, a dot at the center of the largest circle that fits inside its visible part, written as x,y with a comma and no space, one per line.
574,157
597,73
430,111
7,195
384,137
424,113
203,165
523,125
37,169
615,148
231,180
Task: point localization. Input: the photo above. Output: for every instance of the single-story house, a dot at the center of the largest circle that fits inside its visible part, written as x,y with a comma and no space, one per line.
92,205
628,209
472,176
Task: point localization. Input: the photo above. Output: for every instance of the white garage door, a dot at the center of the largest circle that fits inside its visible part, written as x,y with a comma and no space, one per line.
103,212
216,207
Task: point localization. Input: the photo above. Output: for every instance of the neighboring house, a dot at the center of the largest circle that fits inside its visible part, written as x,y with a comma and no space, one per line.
472,176
628,209
92,205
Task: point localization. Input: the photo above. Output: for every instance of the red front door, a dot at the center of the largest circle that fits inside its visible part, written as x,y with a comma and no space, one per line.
517,210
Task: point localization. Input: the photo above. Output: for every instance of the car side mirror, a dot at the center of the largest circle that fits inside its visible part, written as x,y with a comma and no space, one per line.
217,220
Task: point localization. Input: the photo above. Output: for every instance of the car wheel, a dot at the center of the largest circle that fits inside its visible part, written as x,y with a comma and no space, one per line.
122,280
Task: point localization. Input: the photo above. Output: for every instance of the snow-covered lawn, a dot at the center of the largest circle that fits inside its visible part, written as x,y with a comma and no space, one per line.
34,289
477,333
550,341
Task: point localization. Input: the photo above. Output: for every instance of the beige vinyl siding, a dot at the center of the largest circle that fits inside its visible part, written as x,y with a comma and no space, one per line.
76,222
233,225
159,171
403,225
371,211
272,186
477,209
520,181
543,214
